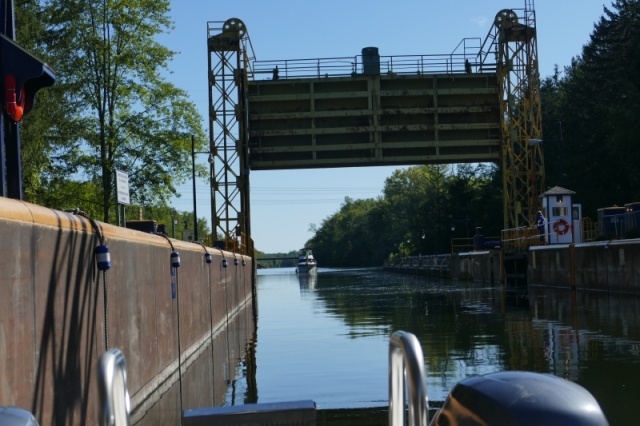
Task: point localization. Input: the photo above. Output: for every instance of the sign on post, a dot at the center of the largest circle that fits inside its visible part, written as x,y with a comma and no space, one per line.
122,187
188,235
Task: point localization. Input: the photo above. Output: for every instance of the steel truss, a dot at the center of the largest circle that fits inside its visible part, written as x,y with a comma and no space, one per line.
228,63
512,39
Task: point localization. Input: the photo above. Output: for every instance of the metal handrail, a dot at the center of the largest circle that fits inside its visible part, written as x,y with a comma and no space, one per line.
520,239
453,63
112,384
405,353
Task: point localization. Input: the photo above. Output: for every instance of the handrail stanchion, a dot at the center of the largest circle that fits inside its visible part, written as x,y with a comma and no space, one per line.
115,404
405,353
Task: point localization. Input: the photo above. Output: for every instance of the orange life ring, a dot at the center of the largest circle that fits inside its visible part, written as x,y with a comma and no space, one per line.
561,227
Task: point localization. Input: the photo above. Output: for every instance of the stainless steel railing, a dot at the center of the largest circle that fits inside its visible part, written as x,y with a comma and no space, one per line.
406,362
115,404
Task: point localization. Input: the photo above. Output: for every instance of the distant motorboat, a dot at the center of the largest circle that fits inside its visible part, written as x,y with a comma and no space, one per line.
306,262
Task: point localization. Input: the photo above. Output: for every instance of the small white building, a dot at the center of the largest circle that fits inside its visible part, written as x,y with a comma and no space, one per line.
563,217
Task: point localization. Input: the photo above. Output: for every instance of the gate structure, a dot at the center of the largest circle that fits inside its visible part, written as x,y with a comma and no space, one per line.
512,41
229,60
479,104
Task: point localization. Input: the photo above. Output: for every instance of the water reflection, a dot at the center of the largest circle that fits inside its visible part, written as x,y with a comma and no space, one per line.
308,281
327,340
209,379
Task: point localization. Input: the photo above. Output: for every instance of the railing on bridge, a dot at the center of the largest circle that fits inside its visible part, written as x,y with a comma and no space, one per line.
589,230
520,239
619,226
461,60
466,244
462,244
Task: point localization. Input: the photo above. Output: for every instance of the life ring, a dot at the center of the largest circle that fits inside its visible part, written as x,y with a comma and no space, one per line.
561,227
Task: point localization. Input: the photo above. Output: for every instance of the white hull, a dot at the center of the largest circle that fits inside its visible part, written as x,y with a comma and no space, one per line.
306,268
306,262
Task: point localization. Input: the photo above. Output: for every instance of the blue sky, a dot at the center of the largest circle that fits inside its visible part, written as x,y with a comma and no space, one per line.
285,203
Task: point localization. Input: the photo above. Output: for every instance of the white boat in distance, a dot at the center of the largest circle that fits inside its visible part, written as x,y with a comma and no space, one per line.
306,262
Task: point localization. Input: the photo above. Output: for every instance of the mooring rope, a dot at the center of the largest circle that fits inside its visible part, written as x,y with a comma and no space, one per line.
175,264
103,262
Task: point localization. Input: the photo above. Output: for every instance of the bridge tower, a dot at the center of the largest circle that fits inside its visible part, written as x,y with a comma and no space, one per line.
512,42
228,51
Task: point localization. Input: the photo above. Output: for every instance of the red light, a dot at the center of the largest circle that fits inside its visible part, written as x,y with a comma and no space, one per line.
14,109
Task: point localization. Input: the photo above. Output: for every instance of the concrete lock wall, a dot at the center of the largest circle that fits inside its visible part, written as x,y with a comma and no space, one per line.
481,266
54,322
606,265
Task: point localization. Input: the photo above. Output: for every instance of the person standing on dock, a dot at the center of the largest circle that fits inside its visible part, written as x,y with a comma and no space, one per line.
541,223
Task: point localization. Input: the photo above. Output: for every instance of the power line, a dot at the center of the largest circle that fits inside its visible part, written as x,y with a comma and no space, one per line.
264,196
316,189
292,201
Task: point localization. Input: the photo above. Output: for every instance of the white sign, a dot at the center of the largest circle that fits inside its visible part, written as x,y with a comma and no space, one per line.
187,235
122,187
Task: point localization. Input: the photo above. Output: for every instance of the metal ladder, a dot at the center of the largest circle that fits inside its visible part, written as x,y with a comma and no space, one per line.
406,362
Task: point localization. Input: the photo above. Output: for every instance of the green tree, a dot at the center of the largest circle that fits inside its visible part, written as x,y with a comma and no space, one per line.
413,217
45,165
118,112
554,119
596,102
474,200
350,236
417,200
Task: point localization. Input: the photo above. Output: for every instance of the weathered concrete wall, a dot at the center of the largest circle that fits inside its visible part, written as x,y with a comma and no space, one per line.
480,266
54,322
611,265
206,381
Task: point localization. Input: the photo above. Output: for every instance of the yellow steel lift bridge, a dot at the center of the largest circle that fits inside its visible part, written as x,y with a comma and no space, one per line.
480,103
512,41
